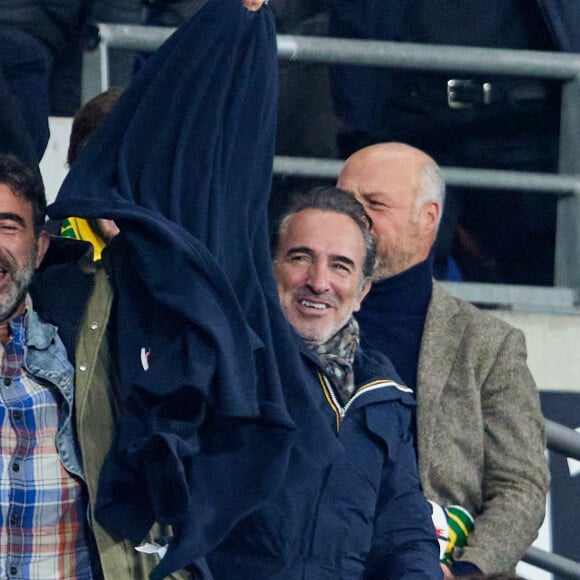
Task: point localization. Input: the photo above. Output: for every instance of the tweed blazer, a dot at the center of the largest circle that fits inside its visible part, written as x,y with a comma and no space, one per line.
480,430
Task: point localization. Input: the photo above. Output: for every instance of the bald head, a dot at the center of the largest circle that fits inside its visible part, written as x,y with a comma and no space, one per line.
402,189
397,166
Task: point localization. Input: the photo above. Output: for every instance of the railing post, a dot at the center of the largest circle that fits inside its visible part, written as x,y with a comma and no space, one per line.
95,73
91,83
567,264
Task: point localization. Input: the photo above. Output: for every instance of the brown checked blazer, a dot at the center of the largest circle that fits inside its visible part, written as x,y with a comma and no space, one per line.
480,430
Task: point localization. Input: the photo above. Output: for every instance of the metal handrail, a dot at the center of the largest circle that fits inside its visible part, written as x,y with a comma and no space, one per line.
562,439
529,63
566,441
133,36
563,567
529,298
559,185
466,60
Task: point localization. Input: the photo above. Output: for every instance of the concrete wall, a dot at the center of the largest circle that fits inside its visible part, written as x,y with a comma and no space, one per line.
553,341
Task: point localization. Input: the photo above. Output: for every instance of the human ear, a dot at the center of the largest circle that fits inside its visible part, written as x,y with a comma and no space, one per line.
430,213
42,243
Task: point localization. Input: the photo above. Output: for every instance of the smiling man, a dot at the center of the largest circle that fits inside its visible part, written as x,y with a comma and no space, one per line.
20,253
321,284
42,530
363,516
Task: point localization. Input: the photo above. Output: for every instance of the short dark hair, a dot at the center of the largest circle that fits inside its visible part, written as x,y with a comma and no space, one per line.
89,118
25,180
328,198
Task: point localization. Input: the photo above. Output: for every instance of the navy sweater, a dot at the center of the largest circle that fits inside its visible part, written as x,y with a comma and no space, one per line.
393,315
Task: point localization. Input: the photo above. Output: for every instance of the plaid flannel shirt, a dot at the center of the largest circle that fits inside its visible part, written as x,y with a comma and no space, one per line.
42,513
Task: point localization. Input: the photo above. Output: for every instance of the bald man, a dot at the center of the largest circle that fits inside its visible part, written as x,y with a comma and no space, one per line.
479,427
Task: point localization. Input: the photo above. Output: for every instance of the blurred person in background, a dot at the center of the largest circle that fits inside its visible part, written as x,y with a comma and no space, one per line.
38,40
467,120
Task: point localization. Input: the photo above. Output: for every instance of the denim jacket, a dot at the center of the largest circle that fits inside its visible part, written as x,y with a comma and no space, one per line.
45,359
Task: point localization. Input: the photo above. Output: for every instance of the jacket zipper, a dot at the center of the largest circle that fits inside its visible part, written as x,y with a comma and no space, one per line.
340,410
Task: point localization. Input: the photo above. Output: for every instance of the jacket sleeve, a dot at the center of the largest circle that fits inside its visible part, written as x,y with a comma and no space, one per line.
404,542
516,477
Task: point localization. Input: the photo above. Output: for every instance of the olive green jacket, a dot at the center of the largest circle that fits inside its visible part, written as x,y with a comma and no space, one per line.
96,413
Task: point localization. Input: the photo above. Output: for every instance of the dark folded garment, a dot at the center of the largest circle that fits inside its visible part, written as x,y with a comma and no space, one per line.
183,164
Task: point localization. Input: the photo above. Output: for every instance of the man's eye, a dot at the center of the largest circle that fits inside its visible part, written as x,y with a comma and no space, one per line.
298,259
341,267
8,227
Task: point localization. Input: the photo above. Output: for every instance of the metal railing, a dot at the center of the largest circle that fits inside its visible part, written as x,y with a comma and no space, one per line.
562,439
559,185
566,186
546,65
514,63
563,567
565,441
559,300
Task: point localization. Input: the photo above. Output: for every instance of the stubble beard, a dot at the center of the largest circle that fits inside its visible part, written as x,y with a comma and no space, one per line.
324,336
12,296
393,259
388,266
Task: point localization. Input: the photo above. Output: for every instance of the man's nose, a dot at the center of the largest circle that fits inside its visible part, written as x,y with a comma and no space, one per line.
318,279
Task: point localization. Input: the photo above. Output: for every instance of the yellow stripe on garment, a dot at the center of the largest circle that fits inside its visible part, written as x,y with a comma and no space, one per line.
458,522
328,397
383,383
79,229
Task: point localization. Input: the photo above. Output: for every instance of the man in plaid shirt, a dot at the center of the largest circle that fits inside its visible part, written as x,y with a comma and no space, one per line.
43,524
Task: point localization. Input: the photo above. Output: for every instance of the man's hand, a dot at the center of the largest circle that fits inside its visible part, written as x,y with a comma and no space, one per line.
447,575
254,5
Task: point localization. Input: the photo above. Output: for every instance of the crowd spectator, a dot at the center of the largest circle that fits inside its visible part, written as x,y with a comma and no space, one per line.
44,530
183,295
99,232
363,516
479,427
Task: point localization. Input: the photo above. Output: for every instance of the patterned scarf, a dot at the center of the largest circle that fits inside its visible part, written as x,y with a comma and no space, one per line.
336,356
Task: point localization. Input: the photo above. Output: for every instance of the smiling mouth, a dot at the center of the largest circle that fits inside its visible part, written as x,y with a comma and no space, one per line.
315,305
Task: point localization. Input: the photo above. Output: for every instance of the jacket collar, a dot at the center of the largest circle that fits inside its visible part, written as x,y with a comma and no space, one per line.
444,328
38,334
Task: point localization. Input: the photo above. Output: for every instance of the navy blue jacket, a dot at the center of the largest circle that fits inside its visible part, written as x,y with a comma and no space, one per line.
183,163
362,517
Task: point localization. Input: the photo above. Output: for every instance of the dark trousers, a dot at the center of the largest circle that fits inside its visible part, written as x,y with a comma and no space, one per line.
25,68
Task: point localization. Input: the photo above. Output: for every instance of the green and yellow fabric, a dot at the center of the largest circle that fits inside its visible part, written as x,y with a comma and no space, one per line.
453,525
80,229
